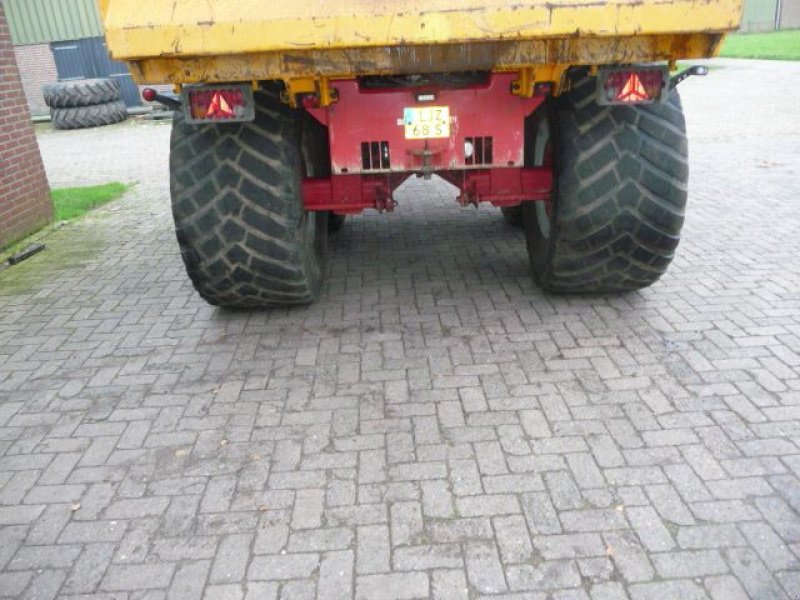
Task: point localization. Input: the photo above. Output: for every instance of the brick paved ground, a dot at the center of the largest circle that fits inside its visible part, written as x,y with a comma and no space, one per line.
434,426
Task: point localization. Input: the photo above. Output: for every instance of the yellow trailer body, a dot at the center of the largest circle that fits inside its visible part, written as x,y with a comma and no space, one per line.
189,41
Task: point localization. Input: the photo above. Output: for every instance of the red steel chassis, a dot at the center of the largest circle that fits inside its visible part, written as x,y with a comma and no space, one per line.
370,156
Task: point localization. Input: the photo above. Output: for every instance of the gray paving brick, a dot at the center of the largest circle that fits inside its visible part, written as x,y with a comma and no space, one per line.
569,545
19,515
449,585
303,589
93,531
136,508
650,528
772,550
753,574
284,566
29,558
48,527
190,580
336,575
540,513
13,584
669,505
437,501
318,540
609,591
89,568
545,576
593,519
513,539
308,508
137,577
372,554
231,559
487,505
684,589
45,585
724,587
686,564
461,530
629,556
484,571
725,511
392,586
709,536
421,558
434,426
406,522
230,592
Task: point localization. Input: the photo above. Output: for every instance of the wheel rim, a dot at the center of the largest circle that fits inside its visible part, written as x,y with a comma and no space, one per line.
543,219
539,216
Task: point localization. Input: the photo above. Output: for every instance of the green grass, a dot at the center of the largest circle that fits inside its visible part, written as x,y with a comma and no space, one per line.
778,45
69,203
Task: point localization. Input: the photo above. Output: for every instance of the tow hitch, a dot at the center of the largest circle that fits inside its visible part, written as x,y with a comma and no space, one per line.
699,70
150,95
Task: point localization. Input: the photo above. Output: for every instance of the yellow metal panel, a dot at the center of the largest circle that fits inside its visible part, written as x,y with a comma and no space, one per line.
152,28
311,65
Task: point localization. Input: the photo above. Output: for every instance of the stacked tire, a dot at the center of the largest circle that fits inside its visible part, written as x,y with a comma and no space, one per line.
85,103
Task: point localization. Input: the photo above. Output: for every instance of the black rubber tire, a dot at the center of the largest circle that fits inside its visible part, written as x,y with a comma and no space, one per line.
81,92
620,194
317,157
81,117
335,222
244,236
512,215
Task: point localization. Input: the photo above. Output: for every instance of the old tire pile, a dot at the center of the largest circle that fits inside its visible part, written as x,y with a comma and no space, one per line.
84,103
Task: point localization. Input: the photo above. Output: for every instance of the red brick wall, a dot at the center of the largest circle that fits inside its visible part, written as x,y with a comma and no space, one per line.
36,67
25,202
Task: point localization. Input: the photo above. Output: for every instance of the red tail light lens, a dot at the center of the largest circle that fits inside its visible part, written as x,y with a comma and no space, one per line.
216,104
640,85
211,104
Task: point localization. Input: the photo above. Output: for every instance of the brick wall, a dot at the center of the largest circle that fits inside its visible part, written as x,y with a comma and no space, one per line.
36,67
25,203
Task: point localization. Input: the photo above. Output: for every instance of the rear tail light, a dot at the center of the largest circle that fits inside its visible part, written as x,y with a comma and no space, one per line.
631,85
218,103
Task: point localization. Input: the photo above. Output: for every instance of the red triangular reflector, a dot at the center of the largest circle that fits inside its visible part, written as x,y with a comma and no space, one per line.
219,106
633,90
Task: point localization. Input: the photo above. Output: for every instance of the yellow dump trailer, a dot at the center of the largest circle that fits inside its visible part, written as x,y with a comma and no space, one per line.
291,115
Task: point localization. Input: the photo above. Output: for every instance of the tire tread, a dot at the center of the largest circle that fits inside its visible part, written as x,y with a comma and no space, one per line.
616,234
238,211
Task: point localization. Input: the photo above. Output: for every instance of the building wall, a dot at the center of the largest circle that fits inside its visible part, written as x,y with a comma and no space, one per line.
39,21
25,203
790,14
758,15
36,67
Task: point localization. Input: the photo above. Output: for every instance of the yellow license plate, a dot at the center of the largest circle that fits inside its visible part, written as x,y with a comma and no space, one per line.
426,122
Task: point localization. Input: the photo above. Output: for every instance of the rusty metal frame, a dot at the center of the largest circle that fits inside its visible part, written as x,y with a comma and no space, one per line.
343,63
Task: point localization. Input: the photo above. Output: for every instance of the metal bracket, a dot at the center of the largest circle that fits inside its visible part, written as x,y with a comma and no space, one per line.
525,86
171,102
320,88
699,70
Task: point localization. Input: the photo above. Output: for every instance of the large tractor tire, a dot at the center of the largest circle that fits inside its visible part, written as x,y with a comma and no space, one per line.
316,149
243,232
81,92
335,222
512,215
81,117
620,193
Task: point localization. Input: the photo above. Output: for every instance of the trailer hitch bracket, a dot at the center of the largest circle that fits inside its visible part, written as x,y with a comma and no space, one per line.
700,70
